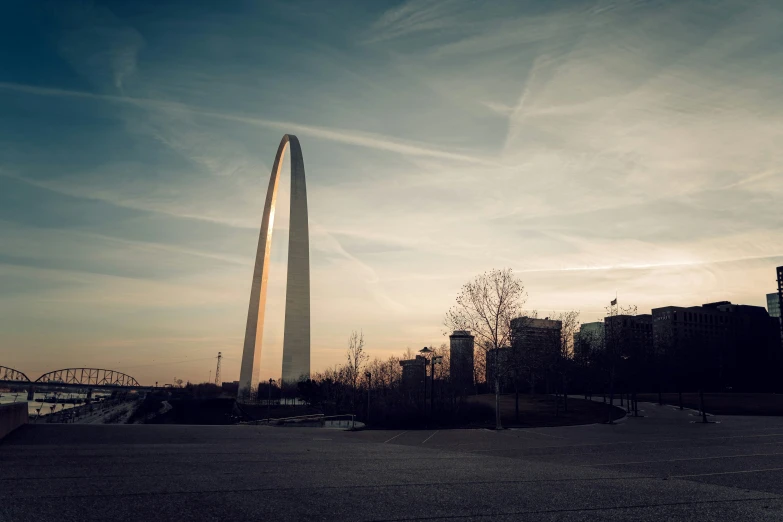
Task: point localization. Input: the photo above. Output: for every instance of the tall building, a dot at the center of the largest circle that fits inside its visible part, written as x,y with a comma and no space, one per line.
596,328
296,330
718,345
533,340
532,333
589,338
498,361
633,334
461,354
780,299
414,373
773,305
628,341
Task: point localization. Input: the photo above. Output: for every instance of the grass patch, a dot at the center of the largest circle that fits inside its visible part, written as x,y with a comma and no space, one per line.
540,411
725,403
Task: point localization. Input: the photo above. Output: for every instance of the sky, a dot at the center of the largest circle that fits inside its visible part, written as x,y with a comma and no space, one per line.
629,148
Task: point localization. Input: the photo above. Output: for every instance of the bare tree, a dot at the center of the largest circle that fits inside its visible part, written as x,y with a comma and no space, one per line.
569,326
479,368
485,307
357,358
668,355
441,369
588,354
443,351
531,351
616,343
522,358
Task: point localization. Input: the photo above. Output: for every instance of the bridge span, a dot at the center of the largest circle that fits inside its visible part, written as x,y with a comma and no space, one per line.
80,378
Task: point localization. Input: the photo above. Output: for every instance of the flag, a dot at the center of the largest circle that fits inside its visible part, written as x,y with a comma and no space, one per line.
614,302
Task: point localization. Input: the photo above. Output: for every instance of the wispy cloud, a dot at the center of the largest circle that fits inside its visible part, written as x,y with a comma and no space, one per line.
97,43
414,16
144,202
651,266
360,139
593,147
327,242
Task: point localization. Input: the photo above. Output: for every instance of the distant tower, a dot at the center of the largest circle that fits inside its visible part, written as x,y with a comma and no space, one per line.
217,371
461,360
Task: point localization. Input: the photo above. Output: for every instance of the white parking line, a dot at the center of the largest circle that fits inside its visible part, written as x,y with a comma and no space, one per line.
428,438
527,430
727,473
391,439
685,459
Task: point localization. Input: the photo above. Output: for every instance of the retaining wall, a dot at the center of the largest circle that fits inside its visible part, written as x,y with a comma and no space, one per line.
12,416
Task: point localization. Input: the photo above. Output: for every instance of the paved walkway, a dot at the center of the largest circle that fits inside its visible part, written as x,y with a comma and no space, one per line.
665,465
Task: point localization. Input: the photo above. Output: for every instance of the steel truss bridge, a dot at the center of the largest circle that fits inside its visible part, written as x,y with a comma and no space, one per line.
90,378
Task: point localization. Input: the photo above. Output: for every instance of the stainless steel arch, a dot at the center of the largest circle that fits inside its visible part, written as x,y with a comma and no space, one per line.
9,374
296,337
87,376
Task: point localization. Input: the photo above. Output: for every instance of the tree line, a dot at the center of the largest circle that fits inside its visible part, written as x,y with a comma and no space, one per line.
515,351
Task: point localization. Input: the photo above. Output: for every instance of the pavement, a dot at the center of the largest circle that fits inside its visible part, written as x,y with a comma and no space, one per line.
665,465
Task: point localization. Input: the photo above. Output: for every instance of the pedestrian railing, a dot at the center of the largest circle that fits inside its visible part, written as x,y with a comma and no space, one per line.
345,421
282,421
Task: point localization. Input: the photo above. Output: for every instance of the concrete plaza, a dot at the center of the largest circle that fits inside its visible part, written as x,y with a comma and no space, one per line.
664,465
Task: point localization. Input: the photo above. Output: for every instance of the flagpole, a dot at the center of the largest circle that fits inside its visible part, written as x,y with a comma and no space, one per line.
609,340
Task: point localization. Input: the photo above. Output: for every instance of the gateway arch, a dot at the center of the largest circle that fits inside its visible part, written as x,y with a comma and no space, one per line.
296,336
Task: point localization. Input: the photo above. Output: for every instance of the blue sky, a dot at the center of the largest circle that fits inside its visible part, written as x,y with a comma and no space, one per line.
594,147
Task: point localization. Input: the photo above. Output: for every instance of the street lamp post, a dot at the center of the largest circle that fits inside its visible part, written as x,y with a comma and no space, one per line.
425,352
269,400
432,361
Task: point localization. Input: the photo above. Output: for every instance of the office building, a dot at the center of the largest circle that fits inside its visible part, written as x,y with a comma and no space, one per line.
718,346
589,338
461,360
231,387
533,341
773,305
531,333
414,372
629,335
773,308
780,299
498,361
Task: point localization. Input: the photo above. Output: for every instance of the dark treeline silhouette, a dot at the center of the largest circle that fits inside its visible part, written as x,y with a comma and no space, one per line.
718,347
618,364
375,391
